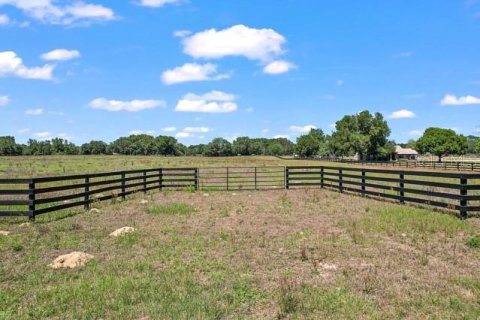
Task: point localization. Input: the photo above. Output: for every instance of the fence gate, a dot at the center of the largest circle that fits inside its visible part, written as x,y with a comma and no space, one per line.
241,178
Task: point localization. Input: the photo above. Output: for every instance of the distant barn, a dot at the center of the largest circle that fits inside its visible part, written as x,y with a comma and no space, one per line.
404,154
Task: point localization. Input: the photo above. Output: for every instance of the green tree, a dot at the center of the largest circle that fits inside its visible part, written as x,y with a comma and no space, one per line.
477,149
362,133
242,146
8,146
309,145
94,147
441,142
219,147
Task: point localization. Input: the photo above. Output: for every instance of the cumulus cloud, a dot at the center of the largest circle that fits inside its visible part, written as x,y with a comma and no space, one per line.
190,132
157,3
452,100
4,20
137,132
182,33
211,102
11,64
131,106
169,129
60,55
192,72
47,12
302,129
24,130
280,136
402,114
4,100
46,135
238,40
34,112
278,67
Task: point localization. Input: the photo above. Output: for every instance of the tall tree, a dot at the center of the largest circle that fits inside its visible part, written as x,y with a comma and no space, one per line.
311,144
362,133
441,142
219,147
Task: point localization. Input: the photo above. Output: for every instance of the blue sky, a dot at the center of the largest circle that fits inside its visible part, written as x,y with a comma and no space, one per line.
198,69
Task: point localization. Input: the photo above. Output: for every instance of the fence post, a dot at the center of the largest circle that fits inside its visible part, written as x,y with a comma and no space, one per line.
256,178
86,198
196,179
31,197
145,181
228,187
402,186
463,200
340,180
322,182
287,178
160,179
363,182
123,186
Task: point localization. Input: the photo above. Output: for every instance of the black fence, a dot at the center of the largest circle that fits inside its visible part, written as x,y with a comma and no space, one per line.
32,197
410,164
458,192
453,191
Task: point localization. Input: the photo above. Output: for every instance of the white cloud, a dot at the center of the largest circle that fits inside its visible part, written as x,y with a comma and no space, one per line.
332,126
45,135
137,132
340,83
157,3
34,112
60,55
278,67
239,40
211,102
190,132
196,129
169,129
184,135
265,131
182,33
402,114
192,72
279,136
4,20
304,129
4,100
416,133
24,130
131,106
452,100
47,12
249,110
477,130
11,64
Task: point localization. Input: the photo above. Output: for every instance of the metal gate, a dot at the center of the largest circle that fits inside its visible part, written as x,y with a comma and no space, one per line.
241,178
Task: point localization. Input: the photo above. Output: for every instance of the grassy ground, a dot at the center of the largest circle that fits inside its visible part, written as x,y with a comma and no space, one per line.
247,255
24,167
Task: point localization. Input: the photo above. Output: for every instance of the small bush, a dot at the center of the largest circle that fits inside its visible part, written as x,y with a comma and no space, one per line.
175,208
473,242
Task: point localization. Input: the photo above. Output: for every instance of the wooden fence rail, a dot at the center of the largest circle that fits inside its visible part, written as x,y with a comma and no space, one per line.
459,192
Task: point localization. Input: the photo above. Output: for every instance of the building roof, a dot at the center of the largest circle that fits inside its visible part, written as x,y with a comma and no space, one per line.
405,151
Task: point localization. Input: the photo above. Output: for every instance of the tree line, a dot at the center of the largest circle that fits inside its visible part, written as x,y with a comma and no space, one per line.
363,135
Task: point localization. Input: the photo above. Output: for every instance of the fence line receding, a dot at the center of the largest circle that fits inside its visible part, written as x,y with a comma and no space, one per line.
458,192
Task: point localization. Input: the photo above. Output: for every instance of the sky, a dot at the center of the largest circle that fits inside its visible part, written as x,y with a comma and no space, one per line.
199,69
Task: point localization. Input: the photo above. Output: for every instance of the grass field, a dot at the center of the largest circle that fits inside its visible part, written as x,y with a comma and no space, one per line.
298,254
272,254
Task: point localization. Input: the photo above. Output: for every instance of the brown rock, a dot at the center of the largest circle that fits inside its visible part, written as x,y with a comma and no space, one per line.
71,260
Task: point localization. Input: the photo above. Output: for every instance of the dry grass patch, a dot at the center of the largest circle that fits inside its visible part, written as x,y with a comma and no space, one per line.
310,254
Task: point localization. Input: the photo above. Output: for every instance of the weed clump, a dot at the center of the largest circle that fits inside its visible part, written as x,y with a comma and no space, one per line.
175,208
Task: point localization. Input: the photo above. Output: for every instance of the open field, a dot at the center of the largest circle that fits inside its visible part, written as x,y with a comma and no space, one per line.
270,254
39,166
